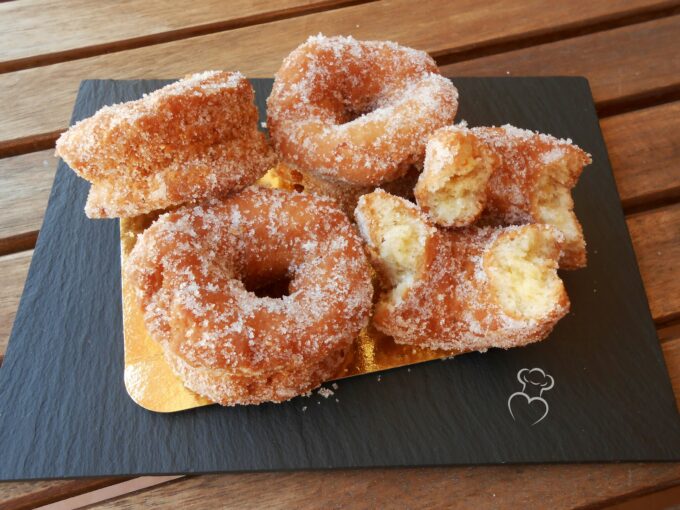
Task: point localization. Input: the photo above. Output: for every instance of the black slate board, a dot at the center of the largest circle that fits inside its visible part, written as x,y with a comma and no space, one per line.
64,411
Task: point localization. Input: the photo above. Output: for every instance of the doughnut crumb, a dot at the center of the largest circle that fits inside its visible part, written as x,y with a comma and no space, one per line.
522,269
397,234
452,186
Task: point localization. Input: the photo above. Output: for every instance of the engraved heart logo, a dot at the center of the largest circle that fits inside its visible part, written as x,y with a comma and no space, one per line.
528,406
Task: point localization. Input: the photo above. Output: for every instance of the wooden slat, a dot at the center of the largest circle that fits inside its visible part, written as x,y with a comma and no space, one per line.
671,352
38,32
511,487
645,154
25,182
24,495
656,238
13,269
14,490
627,64
46,95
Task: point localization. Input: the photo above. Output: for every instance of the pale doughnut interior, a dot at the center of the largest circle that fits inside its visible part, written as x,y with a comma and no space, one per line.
554,204
452,187
522,269
397,234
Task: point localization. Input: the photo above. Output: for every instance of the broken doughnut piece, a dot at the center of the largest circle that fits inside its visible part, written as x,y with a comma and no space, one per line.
532,183
464,290
194,139
452,187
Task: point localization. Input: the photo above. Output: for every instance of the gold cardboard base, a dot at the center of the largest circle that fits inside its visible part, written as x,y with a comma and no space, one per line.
151,383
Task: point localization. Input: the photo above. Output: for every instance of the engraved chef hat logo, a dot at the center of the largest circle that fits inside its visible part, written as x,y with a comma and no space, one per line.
529,406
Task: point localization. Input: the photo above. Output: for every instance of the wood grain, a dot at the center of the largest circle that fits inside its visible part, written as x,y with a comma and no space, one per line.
10,491
13,269
522,487
656,239
48,92
39,32
645,154
24,495
623,65
25,182
671,353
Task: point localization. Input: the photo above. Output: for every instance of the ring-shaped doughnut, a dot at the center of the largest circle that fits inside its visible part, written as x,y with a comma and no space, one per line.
358,112
191,271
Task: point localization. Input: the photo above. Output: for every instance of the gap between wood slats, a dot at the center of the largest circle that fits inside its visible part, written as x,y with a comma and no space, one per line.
529,40
646,99
21,242
29,144
174,35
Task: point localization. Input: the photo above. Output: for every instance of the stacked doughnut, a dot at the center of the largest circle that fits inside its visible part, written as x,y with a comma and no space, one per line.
193,147
473,264
358,130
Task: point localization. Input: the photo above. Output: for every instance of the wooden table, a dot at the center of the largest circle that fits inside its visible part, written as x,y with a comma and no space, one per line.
628,49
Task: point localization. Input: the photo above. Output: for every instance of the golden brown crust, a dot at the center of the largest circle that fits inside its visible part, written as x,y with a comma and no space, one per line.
226,343
194,139
357,111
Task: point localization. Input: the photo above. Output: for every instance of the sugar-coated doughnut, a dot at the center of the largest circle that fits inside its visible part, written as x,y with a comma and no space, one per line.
190,270
467,289
194,139
452,187
358,112
532,184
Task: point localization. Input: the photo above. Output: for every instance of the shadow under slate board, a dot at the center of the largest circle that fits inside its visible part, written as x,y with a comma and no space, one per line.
602,392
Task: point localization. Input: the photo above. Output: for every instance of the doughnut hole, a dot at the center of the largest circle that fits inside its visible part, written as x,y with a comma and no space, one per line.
554,205
522,269
276,289
397,236
452,187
